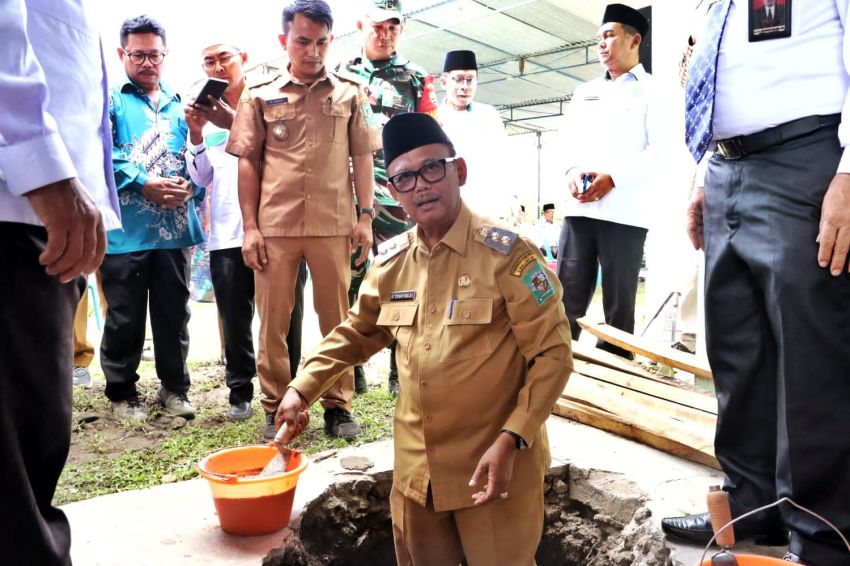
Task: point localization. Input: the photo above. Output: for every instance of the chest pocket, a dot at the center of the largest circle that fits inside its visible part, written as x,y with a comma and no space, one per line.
466,334
338,116
399,318
279,125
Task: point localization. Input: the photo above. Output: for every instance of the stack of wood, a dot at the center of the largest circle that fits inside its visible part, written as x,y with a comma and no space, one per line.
613,394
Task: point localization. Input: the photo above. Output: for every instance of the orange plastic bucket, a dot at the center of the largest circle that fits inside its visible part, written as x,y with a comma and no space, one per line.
752,560
251,506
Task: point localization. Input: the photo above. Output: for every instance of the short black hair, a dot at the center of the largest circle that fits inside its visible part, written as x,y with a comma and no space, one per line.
141,24
316,10
630,30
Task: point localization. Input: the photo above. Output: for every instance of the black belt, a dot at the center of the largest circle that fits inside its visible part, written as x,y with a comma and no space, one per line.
738,147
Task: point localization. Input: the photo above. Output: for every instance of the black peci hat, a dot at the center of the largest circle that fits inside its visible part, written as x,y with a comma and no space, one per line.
548,206
462,60
622,14
405,132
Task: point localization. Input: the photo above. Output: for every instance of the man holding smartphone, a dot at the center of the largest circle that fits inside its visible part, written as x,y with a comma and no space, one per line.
295,135
150,256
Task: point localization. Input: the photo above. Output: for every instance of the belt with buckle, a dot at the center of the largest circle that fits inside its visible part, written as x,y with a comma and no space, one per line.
741,146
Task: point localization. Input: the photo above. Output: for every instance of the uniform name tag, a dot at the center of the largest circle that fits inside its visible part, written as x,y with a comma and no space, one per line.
275,101
402,295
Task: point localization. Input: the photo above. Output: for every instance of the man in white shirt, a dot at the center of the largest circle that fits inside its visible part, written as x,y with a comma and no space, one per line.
56,200
774,221
609,144
212,167
478,135
547,232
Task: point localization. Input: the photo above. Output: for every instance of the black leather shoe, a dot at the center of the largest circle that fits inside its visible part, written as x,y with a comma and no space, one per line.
696,529
360,385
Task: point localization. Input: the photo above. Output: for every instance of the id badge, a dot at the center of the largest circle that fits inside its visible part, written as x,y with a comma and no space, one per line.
769,19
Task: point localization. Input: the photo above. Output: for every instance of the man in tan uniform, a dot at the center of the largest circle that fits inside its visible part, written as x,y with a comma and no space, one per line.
294,135
483,354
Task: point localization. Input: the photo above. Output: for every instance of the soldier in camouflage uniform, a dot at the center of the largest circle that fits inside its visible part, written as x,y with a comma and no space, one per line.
394,86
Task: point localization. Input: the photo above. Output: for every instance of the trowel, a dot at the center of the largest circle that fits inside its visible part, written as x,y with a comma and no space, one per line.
280,462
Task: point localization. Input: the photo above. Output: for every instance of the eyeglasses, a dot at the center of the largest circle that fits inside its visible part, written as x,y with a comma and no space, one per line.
138,57
223,59
432,172
463,81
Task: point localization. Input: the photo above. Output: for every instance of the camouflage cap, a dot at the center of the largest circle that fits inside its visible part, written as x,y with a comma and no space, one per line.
383,10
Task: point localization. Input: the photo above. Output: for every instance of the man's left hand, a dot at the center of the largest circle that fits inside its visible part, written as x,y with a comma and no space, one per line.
496,466
834,233
602,185
361,237
218,112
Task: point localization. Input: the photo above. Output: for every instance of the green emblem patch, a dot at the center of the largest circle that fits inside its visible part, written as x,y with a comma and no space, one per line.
538,283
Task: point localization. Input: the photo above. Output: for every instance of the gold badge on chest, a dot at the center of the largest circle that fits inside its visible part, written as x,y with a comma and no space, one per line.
464,281
280,131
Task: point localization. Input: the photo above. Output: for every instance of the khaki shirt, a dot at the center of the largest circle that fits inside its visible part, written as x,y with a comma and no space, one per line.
304,135
483,345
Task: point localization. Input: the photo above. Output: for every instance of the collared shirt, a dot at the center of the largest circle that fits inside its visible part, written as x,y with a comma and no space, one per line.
483,345
44,139
546,236
394,86
304,136
611,127
479,137
212,167
762,84
149,142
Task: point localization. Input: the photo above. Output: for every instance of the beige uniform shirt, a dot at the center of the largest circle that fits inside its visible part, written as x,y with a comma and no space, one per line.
304,135
483,345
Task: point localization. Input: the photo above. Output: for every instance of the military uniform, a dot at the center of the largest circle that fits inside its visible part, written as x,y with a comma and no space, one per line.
483,346
302,136
393,87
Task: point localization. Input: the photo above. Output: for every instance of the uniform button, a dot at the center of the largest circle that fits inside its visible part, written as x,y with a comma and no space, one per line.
396,316
309,197
424,385
466,314
427,346
309,169
432,309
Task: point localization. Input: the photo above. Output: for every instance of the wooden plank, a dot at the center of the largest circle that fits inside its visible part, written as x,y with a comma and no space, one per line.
592,416
607,359
644,347
666,389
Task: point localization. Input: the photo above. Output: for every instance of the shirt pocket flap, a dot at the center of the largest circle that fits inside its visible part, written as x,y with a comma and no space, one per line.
278,113
470,311
397,314
338,110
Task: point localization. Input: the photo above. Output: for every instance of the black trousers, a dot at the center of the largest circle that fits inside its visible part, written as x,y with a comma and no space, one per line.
293,338
36,356
585,245
778,338
128,280
233,283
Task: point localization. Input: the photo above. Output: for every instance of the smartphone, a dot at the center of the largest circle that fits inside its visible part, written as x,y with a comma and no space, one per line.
214,88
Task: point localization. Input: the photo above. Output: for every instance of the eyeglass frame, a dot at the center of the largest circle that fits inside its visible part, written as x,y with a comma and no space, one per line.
145,56
445,161
459,81
207,65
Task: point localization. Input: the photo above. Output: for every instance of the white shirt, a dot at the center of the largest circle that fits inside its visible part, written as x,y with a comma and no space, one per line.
51,106
480,138
765,83
211,167
546,234
611,128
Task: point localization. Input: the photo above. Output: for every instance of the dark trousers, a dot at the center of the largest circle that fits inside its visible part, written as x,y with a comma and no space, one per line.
36,356
128,279
585,245
293,337
778,339
233,283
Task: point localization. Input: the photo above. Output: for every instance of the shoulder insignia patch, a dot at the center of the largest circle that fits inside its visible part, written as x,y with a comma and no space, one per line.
394,246
495,238
524,261
538,283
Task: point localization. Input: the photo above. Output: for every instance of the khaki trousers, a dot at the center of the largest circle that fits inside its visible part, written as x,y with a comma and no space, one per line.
83,349
328,261
505,532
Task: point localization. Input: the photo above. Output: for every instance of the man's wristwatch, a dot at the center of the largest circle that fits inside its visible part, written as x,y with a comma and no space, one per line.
520,441
369,211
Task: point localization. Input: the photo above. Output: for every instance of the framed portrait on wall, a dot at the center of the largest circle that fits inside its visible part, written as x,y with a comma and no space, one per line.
769,19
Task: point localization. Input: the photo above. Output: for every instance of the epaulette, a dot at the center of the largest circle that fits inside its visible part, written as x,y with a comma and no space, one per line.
346,75
394,246
495,238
